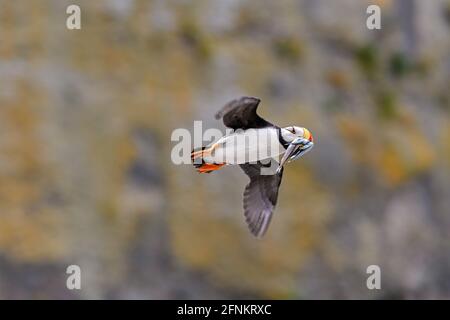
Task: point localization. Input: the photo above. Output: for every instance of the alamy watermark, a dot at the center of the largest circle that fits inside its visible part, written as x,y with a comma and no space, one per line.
373,22
73,281
374,280
73,21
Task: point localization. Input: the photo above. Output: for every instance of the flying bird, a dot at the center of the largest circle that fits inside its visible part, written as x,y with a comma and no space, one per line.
252,142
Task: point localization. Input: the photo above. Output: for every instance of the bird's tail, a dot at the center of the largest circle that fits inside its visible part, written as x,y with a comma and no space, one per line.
197,158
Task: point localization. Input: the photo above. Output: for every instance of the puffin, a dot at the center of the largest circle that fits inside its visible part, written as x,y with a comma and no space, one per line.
252,144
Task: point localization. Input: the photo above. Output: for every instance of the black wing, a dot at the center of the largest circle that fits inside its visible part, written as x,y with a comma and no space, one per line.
241,114
260,198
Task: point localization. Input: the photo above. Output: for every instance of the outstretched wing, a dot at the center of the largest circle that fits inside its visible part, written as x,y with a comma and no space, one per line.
260,198
241,114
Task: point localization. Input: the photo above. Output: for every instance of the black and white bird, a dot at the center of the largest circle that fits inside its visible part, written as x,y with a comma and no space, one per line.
251,144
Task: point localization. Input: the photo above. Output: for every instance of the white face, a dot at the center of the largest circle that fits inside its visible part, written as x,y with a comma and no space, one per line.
291,133
300,142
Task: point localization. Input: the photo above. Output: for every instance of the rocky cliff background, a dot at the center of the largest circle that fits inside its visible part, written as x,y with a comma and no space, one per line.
86,118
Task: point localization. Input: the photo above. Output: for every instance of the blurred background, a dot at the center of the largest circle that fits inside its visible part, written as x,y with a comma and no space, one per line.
86,118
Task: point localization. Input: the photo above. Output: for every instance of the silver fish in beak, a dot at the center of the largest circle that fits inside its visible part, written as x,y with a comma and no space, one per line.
296,149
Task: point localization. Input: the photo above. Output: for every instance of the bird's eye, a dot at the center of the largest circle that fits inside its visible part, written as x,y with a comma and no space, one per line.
292,130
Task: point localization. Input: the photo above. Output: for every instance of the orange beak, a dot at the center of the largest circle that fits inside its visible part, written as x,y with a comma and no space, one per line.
307,135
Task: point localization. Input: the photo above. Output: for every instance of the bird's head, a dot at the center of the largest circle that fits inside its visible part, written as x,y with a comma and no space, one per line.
294,133
300,142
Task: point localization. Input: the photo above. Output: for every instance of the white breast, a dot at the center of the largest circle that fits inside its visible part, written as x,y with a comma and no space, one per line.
247,146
